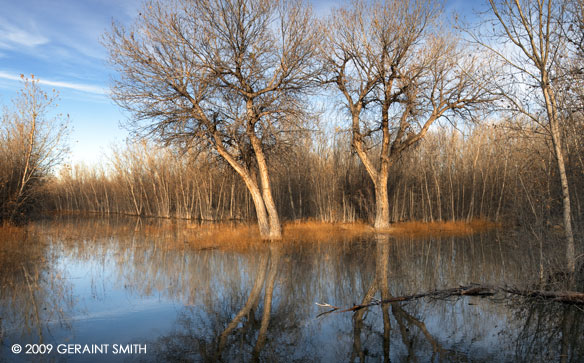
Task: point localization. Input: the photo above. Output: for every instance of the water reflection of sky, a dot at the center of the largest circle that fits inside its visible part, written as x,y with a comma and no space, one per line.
131,289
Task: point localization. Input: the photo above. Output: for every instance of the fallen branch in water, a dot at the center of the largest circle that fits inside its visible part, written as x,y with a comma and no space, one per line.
571,297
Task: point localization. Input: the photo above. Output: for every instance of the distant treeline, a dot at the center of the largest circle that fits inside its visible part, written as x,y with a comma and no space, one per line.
497,171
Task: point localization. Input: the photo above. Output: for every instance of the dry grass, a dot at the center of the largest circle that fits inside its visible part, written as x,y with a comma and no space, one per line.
314,231
322,231
242,237
239,237
245,237
440,229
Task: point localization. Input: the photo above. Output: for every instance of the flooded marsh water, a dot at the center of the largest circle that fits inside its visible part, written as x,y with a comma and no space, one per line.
107,284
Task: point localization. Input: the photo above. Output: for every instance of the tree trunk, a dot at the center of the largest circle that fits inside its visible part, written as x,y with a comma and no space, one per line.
20,197
570,249
557,144
275,229
254,190
379,178
381,203
258,201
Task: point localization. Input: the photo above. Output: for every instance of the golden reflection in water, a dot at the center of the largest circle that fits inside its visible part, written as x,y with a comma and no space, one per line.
257,302
33,291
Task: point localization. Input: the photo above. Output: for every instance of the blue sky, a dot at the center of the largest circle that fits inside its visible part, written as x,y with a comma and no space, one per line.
59,42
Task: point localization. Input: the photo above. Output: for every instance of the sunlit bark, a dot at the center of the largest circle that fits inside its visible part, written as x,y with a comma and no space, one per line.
397,76
534,32
228,76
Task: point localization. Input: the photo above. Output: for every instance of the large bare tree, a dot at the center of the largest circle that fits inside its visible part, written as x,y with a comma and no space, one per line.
228,76
398,73
527,36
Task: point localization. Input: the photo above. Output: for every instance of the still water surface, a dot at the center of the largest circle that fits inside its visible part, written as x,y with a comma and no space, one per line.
104,282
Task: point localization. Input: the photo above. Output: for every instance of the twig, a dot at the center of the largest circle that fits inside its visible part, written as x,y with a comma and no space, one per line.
326,305
28,278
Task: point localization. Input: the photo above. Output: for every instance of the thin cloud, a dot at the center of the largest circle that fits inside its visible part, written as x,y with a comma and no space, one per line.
14,37
58,84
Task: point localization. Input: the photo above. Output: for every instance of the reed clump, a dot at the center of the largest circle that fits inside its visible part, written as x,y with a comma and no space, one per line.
241,237
245,237
317,231
223,236
441,228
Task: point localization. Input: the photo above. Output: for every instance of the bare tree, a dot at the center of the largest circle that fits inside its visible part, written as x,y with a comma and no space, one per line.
527,37
575,27
31,144
572,66
398,74
228,75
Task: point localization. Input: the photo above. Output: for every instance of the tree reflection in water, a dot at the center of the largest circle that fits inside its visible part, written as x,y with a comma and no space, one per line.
406,322
34,291
471,328
550,332
258,303
213,335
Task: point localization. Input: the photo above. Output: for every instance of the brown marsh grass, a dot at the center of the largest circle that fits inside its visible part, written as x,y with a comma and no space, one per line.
177,234
322,231
244,236
441,229
239,237
315,231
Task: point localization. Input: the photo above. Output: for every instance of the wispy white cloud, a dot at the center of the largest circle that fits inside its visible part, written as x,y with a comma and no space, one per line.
15,37
72,28
59,84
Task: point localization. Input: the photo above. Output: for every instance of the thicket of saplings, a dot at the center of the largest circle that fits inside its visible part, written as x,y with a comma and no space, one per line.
501,171
31,146
495,172
13,206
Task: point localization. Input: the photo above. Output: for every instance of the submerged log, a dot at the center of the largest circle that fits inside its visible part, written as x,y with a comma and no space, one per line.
571,297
